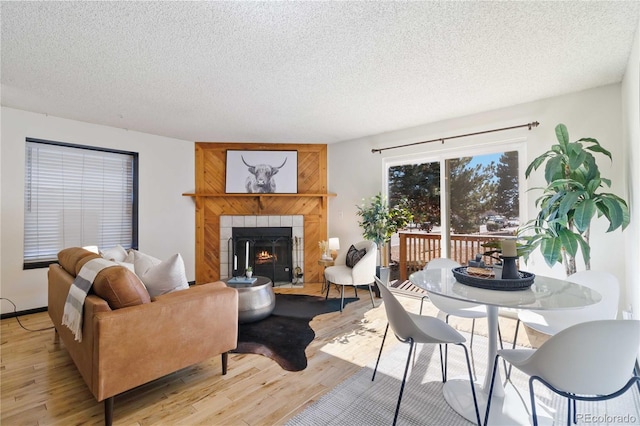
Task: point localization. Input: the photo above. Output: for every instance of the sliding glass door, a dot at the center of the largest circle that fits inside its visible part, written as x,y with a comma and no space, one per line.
457,202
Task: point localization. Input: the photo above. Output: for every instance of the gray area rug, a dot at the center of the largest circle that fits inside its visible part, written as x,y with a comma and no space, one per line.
359,401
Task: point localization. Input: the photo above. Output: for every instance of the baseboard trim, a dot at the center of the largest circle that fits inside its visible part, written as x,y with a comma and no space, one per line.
25,312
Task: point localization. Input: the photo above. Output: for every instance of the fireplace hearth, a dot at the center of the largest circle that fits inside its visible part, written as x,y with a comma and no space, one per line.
268,250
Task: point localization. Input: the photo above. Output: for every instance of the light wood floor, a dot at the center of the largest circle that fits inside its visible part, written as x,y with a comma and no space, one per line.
41,386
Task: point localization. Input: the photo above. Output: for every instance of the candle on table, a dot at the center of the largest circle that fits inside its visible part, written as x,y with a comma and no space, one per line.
246,255
509,248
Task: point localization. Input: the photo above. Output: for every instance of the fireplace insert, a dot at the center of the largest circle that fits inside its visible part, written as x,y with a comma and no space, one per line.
268,250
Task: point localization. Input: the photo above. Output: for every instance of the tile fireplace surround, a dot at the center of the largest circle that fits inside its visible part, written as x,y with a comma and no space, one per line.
228,222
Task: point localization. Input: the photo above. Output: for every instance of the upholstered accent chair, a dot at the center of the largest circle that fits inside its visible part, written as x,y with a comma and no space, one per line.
360,273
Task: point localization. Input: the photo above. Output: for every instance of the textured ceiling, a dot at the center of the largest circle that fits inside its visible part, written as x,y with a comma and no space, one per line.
315,72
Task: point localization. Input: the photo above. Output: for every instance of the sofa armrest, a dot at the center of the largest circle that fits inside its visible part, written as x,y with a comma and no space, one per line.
141,343
59,282
216,284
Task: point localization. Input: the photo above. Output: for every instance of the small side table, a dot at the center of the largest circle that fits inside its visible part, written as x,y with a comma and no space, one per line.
324,263
256,300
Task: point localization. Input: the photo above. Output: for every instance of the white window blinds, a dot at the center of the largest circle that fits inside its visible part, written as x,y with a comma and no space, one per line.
77,196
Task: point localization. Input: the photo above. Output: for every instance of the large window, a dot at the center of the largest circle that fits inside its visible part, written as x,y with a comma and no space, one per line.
477,194
77,196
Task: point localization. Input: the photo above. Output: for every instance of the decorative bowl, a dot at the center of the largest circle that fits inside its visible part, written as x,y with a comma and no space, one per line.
489,282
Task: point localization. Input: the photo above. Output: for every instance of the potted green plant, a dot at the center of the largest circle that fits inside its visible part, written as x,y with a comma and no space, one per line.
572,197
379,222
249,271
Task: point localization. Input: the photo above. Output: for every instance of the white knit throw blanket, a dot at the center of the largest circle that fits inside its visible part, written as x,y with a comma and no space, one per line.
78,291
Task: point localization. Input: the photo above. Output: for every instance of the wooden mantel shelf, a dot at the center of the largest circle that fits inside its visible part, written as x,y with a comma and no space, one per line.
189,194
261,196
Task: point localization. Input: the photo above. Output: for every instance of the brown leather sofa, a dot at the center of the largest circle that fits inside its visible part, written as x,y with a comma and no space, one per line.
129,339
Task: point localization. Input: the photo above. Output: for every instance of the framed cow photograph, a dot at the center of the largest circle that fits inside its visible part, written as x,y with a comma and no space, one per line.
262,172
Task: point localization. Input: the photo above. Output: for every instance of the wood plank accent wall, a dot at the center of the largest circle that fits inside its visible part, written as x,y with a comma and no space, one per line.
212,202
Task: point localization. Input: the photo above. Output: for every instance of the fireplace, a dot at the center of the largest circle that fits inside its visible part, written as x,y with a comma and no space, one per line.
268,250
230,255
217,212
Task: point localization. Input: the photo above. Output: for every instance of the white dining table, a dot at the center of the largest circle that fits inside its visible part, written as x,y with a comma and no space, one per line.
507,407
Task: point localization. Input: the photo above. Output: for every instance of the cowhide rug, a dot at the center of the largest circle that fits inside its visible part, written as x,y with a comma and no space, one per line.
286,333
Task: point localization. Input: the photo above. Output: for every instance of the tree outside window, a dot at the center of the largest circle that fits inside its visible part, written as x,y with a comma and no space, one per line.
483,199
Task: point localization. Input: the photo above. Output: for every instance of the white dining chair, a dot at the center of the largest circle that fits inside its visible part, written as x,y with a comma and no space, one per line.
451,307
590,361
412,328
551,322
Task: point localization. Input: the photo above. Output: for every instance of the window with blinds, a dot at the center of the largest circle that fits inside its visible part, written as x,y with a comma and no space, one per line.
77,196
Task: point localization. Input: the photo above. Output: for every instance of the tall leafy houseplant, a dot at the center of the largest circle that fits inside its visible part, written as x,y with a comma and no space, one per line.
570,200
379,222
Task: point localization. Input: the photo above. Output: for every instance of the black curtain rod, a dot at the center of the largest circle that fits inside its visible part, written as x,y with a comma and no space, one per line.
529,125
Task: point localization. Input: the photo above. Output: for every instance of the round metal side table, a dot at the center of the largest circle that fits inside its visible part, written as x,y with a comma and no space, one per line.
256,300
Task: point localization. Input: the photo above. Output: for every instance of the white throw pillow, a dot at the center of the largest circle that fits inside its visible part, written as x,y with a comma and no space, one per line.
130,257
165,277
142,262
116,254
127,265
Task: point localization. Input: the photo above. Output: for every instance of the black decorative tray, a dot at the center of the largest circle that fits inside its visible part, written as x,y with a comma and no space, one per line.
525,280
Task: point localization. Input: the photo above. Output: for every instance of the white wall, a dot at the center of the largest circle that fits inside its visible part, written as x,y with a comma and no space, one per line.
166,219
631,140
355,173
